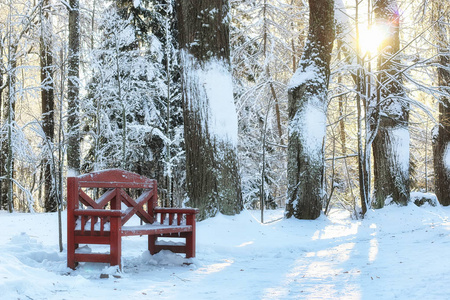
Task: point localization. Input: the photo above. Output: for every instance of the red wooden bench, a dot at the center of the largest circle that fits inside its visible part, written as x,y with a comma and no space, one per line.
103,219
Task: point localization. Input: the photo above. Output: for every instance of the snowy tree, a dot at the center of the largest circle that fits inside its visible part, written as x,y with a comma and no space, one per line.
210,122
17,161
264,37
441,146
120,116
307,115
47,103
391,144
73,86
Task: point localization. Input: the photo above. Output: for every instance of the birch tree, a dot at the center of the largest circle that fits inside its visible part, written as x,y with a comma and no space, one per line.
210,122
307,96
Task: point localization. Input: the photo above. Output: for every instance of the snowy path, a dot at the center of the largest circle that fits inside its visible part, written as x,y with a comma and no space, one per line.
395,253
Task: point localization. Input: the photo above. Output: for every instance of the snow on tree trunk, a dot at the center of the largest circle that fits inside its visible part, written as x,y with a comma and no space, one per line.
391,144
307,115
441,141
391,170
210,120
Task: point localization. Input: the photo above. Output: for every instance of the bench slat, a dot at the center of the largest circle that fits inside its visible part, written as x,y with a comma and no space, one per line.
150,229
92,239
93,257
98,212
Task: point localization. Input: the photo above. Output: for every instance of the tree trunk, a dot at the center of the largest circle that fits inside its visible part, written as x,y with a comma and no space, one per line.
9,106
3,200
210,120
441,142
73,119
391,144
48,106
307,96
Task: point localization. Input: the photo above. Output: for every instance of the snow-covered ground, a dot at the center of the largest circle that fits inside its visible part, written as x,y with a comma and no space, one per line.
395,253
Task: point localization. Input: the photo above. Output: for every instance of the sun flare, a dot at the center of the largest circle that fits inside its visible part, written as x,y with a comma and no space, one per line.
371,38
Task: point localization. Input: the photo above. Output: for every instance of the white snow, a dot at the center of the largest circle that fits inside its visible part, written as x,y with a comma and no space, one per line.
446,158
395,252
301,76
310,125
218,84
210,83
400,147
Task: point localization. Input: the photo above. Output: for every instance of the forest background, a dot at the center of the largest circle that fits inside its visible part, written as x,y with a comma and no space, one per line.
120,99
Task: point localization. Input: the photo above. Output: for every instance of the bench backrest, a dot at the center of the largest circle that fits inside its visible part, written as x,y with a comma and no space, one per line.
114,182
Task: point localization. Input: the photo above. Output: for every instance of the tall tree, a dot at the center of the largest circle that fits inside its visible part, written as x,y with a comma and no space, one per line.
3,198
391,144
307,115
47,104
119,111
73,106
9,107
210,122
441,146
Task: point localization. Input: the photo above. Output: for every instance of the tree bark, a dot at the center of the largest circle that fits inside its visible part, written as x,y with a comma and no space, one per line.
391,144
73,119
9,106
212,175
441,141
307,96
3,199
48,106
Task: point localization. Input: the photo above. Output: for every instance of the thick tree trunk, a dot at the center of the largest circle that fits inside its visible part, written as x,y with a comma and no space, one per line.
73,119
441,141
48,106
391,144
210,120
307,115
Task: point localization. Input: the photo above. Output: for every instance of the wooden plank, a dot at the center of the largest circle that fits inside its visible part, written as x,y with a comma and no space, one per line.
173,248
92,233
100,240
98,212
137,206
164,210
93,257
105,198
115,178
86,200
72,203
112,184
150,229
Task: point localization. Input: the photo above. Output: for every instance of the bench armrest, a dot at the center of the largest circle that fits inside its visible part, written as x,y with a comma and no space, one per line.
98,212
187,211
175,216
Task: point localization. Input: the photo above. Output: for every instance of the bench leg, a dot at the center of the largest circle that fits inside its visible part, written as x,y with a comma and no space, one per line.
71,257
190,245
152,244
71,247
115,250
